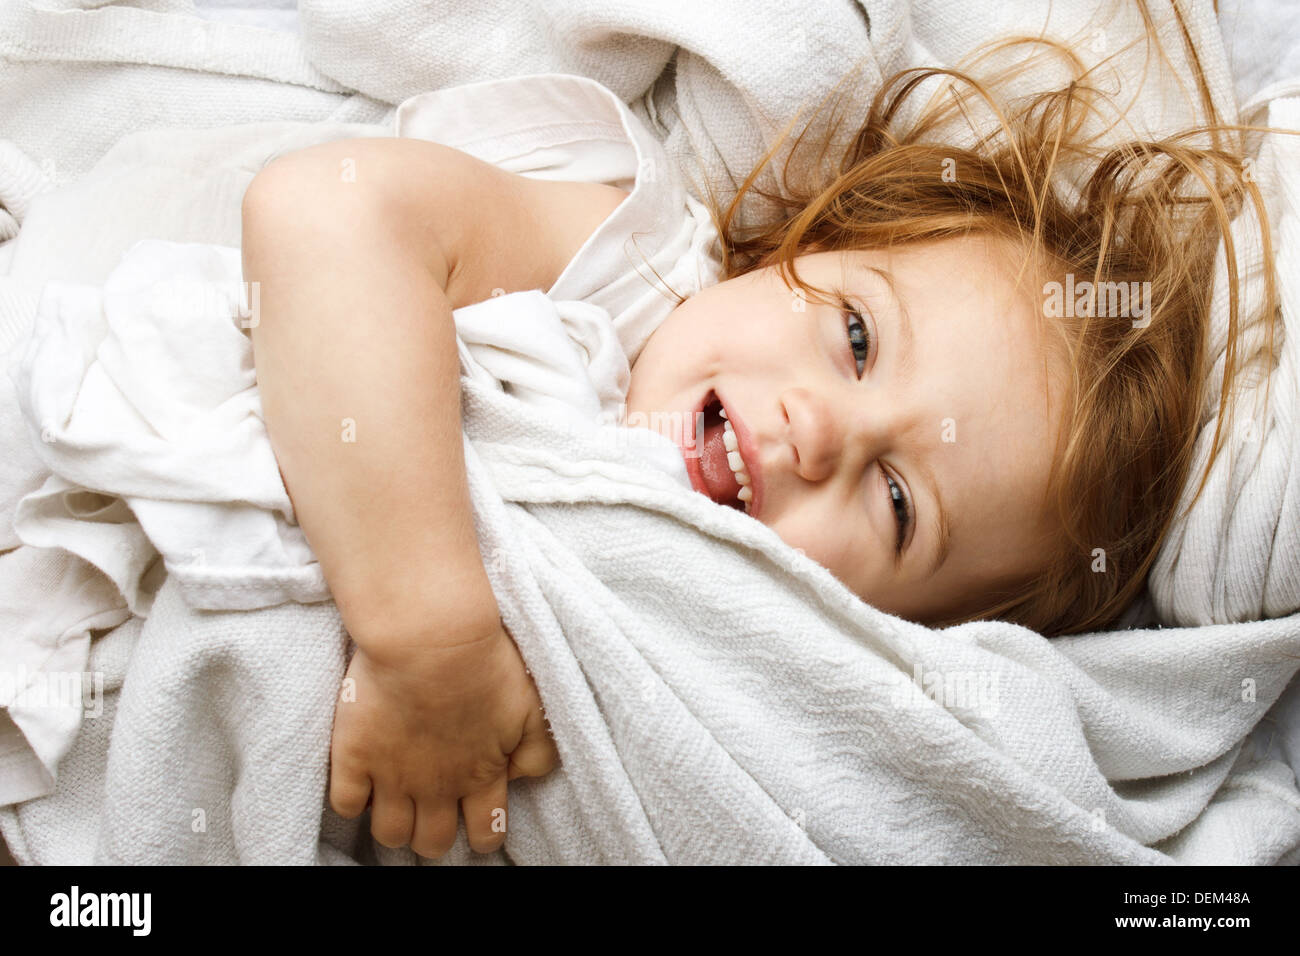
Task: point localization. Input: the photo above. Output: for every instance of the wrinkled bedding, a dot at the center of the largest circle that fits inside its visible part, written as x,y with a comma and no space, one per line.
806,715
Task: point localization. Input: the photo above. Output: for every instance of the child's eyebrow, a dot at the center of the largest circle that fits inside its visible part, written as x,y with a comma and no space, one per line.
906,366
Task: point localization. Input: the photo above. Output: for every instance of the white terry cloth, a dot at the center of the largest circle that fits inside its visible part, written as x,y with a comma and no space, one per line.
162,413
1236,555
718,101
806,713
186,186
76,76
751,712
824,730
1262,40
754,713
714,102
717,80
135,392
270,14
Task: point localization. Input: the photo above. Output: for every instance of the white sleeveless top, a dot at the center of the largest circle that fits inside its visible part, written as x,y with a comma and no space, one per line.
570,349
572,128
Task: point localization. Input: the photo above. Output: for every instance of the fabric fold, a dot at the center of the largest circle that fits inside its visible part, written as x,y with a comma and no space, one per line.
759,714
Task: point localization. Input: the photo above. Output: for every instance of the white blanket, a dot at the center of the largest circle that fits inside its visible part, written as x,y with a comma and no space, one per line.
1242,561
715,696
771,718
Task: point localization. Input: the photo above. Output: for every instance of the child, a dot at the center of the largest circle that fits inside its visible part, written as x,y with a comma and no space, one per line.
886,376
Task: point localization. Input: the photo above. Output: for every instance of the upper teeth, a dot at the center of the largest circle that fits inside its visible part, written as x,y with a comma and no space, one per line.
735,461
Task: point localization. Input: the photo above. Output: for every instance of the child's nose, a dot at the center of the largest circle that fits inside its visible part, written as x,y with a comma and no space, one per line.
815,436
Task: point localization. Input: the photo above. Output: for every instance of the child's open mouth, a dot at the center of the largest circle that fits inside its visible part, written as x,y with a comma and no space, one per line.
722,473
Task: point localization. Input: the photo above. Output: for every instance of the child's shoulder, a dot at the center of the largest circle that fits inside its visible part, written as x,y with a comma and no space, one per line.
657,242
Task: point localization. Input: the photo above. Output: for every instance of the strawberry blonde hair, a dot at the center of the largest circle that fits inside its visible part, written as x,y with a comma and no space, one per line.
1139,211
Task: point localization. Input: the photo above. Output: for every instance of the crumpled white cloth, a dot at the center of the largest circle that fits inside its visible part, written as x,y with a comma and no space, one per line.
715,696
770,719
1236,555
145,391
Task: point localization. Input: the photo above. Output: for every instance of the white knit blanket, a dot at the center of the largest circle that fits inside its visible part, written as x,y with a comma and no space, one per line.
1242,561
715,696
756,713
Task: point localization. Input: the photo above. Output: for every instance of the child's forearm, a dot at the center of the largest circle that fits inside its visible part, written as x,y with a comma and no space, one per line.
359,378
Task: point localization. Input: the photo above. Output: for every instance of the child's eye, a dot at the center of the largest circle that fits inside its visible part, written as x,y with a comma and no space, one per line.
902,511
859,338
860,345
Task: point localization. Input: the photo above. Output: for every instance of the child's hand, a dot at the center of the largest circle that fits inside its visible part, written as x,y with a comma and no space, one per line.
428,728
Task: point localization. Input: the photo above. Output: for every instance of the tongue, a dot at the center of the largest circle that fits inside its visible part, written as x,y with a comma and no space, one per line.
718,476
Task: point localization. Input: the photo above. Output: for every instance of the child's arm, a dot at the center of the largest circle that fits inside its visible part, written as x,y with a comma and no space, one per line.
358,373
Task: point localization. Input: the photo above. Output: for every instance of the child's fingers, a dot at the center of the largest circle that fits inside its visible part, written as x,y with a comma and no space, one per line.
435,828
485,816
535,756
349,792
392,818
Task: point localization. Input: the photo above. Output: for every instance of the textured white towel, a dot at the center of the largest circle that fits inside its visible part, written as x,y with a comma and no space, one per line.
143,394
767,717
1236,555
715,696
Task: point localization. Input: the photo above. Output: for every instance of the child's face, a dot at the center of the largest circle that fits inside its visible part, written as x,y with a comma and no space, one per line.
816,438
